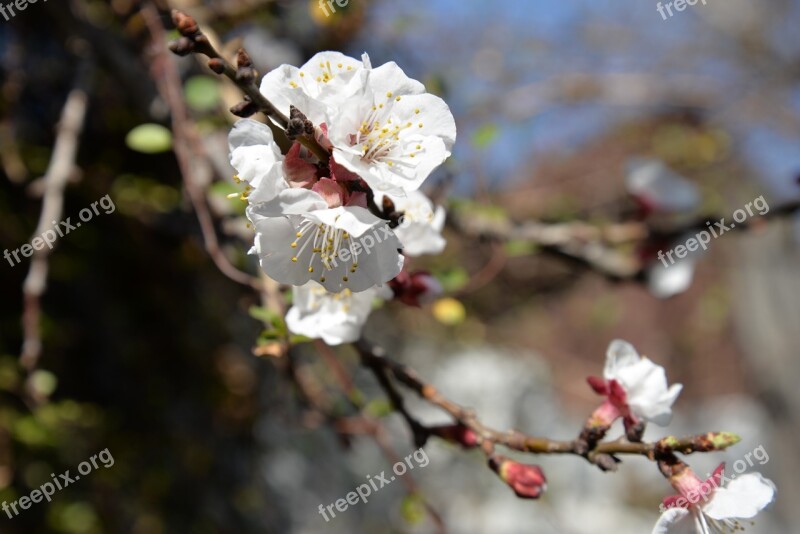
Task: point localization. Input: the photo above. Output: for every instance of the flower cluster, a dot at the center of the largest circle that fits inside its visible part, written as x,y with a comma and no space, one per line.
637,392
338,222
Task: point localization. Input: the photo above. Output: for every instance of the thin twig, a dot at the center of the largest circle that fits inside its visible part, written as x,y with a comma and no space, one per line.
62,164
192,160
314,396
244,76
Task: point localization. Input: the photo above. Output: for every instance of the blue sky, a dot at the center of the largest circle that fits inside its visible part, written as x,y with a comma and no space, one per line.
481,51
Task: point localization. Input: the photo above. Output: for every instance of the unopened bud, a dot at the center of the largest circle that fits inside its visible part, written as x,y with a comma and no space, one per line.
185,24
182,46
634,429
415,289
243,59
606,462
527,481
299,125
456,433
245,108
723,440
217,65
246,75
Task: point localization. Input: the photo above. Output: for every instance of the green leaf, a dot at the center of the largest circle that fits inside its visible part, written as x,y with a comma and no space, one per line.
149,138
378,408
202,93
413,509
262,314
516,248
9,373
30,432
485,135
453,280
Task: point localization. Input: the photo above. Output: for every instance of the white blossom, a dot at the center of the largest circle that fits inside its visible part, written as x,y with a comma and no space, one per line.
336,318
644,383
298,238
658,188
380,123
711,507
420,231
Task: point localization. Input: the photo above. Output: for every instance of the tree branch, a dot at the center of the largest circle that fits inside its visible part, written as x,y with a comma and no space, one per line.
61,166
374,357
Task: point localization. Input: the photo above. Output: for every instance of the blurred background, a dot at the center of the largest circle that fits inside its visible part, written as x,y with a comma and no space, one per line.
139,344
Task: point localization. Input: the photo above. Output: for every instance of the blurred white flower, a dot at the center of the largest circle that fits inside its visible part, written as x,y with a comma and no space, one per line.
659,189
336,318
709,506
664,282
668,275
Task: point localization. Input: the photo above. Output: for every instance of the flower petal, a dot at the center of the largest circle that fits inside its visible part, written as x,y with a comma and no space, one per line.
660,187
646,386
390,78
671,518
421,227
297,171
664,282
256,159
619,355
335,317
287,202
352,219
322,84
742,498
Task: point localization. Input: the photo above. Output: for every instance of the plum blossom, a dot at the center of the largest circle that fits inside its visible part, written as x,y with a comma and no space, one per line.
711,505
309,227
299,238
420,231
317,88
379,123
311,216
635,387
658,189
392,134
336,318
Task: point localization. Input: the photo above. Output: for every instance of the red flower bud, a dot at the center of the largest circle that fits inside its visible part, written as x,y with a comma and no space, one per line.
527,481
185,24
415,289
456,433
